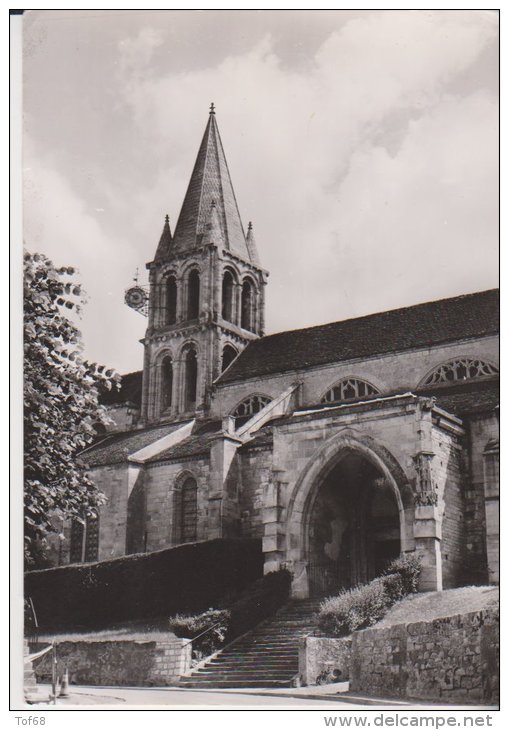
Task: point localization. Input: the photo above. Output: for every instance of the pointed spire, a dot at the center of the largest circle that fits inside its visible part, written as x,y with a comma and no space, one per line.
165,241
210,181
251,244
213,233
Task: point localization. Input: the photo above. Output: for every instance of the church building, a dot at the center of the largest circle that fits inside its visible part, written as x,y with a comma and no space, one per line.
339,446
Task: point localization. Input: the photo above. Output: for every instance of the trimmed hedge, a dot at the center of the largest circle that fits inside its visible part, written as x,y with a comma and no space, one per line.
188,578
367,604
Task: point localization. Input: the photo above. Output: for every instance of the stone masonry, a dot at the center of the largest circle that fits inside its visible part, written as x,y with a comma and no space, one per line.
453,659
119,661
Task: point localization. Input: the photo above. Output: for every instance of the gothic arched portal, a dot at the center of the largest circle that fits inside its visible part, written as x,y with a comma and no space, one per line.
350,512
353,526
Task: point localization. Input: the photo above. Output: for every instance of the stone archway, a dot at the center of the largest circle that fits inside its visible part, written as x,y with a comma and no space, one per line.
351,510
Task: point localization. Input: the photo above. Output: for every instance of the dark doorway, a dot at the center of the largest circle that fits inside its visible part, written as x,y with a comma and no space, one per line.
354,528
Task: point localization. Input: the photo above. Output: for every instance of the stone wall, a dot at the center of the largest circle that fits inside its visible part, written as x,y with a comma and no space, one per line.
160,480
125,662
453,659
322,659
255,474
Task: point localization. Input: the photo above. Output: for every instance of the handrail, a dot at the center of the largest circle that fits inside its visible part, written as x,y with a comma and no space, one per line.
203,632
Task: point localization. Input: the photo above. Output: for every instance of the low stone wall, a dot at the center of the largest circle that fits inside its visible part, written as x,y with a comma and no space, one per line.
122,661
322,659
453,659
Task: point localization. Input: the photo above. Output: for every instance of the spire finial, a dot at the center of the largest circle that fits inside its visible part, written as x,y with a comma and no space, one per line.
212,108
249,226
166,218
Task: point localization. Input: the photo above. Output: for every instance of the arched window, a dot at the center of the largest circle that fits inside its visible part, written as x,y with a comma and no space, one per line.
166,382
193,295
227,307
460,369
190,379
248,408
186,511
247,306
171,300
229,355
349,389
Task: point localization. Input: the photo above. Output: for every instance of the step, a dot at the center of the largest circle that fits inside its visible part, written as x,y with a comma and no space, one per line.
268,665
239,674
268,648
191,683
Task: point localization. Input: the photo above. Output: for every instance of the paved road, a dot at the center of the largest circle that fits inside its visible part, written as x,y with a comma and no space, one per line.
157,698
176,698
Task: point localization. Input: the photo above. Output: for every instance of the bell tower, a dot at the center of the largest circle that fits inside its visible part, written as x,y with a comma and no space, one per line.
206,297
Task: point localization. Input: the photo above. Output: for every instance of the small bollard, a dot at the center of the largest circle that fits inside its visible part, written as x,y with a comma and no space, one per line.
64,687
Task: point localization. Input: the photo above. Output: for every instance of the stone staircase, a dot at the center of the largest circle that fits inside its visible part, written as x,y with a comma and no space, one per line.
267,656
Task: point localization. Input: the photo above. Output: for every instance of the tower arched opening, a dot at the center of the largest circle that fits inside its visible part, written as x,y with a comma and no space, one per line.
190,379
193,294
247,306
171,300
166,383
227,301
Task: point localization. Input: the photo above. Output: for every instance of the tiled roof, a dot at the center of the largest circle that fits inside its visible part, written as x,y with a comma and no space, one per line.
478,396
165,241
130,391
116,448
422,325
196,444
210,183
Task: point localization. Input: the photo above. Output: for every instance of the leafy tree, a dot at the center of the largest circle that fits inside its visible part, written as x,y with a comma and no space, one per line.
61,408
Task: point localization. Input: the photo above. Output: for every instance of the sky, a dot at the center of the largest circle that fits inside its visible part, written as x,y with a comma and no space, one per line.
363,146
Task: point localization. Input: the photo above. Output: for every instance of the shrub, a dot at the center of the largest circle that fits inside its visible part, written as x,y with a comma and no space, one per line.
354,609
213,621
408,566
394,586
367,604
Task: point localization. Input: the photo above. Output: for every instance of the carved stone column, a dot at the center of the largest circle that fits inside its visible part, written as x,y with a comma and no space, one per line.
428,523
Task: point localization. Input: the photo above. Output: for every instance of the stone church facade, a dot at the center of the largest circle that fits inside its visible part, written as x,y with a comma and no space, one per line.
340,445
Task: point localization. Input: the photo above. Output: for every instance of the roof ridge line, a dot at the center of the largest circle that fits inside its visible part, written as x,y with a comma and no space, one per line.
375,314
233,193
207,132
